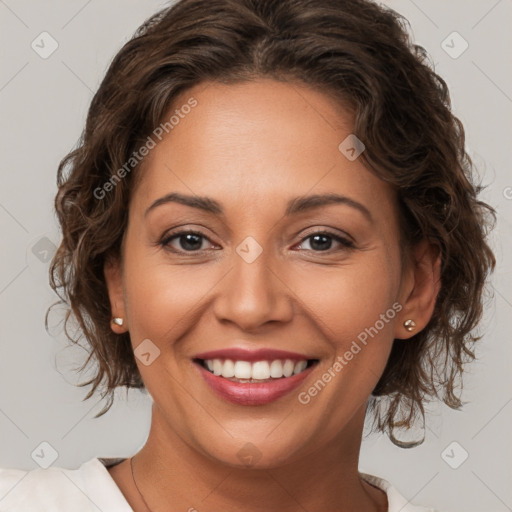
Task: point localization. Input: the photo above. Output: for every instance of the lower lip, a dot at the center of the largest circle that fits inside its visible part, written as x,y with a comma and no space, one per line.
249,393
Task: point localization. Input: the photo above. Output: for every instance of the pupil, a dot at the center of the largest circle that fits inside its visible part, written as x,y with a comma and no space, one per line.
321,245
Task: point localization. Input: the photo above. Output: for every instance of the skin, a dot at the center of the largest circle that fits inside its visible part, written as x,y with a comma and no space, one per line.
252,147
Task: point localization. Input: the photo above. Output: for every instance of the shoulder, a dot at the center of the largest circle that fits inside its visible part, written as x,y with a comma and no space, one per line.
396,502
86,488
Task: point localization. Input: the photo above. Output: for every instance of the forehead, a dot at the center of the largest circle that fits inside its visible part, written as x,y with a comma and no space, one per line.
258,143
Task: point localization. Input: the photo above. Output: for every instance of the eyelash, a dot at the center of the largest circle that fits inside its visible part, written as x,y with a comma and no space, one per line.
347,244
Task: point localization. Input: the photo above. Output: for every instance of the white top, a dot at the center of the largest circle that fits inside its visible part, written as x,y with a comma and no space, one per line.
90,488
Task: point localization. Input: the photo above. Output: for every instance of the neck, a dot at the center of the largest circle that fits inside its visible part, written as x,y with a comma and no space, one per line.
169,471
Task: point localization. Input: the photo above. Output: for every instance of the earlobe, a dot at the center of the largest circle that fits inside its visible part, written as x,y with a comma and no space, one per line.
423,285
114,282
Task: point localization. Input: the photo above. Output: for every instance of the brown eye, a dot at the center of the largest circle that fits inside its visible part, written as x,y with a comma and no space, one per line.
323,241
187,241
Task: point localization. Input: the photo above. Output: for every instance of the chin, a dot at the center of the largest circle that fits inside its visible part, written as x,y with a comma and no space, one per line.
259,450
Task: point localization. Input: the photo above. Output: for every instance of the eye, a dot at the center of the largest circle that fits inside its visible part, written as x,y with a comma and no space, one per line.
321,241
187,241
192,241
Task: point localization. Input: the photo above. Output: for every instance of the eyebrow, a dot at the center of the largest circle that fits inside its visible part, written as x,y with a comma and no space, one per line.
294,206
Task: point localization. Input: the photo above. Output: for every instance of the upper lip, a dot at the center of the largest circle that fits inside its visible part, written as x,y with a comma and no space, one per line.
242,354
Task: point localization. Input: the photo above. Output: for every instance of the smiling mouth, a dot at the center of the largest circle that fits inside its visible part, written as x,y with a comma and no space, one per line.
255,372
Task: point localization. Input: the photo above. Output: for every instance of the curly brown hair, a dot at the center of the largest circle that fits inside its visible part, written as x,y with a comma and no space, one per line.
359,53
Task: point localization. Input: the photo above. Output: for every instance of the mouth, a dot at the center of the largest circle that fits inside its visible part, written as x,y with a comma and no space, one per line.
255,382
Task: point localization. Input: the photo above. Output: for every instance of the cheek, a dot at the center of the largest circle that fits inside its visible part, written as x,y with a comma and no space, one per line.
161,299
355,308
360,344
352,297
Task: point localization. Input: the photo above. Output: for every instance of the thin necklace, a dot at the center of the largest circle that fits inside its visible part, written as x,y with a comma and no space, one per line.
131,466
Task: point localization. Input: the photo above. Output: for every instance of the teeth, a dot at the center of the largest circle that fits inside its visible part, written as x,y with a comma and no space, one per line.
228,368
300,367
259,370
242,370
276,369
217,367
288,367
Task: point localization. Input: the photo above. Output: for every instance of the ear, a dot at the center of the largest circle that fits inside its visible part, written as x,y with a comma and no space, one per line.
114,280
420,286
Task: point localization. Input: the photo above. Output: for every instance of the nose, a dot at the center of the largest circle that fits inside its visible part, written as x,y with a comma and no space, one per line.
254,294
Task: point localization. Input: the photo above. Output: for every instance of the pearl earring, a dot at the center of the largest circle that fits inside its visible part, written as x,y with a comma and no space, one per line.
117,320
410,325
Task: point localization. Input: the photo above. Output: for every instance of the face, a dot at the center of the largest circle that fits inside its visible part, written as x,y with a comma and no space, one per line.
235,259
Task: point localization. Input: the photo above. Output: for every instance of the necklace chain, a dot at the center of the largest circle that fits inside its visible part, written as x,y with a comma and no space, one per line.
135,483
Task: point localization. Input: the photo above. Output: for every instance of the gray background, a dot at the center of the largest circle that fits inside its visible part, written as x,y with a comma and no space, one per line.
43,104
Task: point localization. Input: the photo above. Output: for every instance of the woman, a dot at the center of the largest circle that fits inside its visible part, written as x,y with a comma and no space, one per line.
270,225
